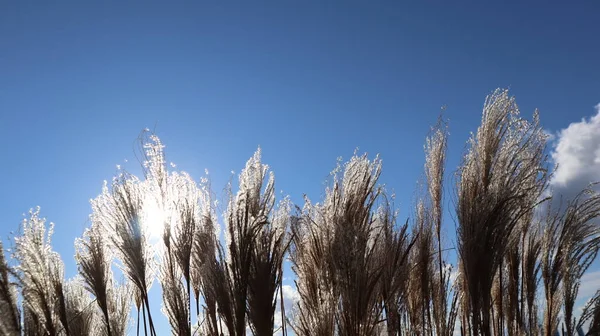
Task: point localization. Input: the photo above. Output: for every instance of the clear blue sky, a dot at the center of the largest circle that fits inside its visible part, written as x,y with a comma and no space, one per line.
307,81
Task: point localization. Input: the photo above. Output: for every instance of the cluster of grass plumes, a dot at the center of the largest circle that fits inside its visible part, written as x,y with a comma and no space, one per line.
360,271
500,182
570,244
94,263
10,324
335,255
236,283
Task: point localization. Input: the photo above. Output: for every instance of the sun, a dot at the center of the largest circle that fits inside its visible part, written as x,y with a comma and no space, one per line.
153,218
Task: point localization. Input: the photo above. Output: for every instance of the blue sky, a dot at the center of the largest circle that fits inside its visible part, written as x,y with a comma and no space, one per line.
307,81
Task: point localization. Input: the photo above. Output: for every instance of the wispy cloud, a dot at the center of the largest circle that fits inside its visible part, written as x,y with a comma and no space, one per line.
549,135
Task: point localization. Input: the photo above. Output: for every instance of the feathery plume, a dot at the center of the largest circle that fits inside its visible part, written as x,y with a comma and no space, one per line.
504,170
94,259
36,271
120,212
267,258
10,324
394,249
79,309
335,255
570,245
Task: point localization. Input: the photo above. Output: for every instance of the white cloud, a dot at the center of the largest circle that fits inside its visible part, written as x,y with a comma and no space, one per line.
577,153
590,283
290,298
290,295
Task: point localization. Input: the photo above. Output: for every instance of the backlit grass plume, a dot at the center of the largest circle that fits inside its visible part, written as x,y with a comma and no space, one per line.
443,308
591,315
359,271
10,323
337,258
94,261
270,247
310,257
37,269
175,298
503,170
182,209
570,244
207,274
254,249
187,207
120,211
394,250
348,210
422,268
79,309
582,249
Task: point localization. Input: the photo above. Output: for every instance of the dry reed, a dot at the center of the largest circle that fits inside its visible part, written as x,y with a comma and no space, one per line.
358,272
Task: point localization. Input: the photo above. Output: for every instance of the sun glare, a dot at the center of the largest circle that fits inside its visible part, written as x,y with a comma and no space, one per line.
154,218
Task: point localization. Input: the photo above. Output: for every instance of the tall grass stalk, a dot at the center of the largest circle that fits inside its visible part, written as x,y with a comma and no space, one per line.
10,324
360,271
502,172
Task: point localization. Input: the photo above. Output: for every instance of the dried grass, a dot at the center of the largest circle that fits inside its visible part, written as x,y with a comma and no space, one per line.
10,324
359,273
503,171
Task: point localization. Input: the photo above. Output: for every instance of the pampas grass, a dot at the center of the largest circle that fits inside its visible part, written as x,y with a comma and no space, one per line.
421,272
338,259
435,160
94,261
10,324
121,215
571,243
393,251
175,298
269,250
530,270
36,271
310,257
255,237
503,170
79,309
591,315
207,275
187,208
179,226
359,272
